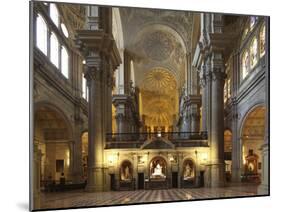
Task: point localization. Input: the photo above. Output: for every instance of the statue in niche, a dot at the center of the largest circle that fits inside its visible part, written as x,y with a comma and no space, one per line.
188,172
157,170
251,163
126,173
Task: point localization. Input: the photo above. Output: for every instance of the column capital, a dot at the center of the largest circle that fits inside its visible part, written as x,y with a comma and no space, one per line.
91,74
89,41
218,75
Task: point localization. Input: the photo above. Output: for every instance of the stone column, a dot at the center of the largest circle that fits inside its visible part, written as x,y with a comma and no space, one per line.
236,146
216,136
95,154
109,100
98,47
193,104
120,123
236,141
120,102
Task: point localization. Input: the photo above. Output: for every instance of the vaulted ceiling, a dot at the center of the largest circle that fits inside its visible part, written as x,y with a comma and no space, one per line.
158,41
157,38
51,124
254,125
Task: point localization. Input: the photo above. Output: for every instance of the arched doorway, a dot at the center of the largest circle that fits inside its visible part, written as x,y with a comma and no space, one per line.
84,140
52,134
252,138
228,153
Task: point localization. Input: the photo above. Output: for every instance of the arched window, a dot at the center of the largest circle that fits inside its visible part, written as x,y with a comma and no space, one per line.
64,30
227,91
54,14
41,34
262,41
64,62
254,53
54,50
245,64
84,88
132,73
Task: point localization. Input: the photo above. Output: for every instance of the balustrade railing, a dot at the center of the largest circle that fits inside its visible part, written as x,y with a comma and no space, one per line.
141,137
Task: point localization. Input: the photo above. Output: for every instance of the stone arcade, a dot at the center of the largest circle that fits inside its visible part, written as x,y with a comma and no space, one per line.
132,99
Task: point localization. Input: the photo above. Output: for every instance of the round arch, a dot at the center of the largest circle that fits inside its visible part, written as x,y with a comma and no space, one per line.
53,134
158,168
250,109
252,137
56,109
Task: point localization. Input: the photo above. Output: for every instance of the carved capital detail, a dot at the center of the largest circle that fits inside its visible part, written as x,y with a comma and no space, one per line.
218,74
92,74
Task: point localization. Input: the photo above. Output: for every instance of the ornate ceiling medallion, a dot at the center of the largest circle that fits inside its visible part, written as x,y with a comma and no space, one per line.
159,80
158,45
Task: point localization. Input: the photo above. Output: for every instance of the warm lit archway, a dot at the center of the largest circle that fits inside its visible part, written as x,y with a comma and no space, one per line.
159,100
52,135
252,139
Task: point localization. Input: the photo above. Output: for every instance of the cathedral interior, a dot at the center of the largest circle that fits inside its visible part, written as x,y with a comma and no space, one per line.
130,101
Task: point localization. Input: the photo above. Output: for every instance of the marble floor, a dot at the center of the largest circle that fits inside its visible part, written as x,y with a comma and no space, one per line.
80,198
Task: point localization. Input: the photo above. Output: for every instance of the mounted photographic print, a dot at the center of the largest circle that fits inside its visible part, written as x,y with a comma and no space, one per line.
137,105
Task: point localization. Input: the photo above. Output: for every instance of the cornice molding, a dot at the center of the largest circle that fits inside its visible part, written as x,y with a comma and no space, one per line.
89,41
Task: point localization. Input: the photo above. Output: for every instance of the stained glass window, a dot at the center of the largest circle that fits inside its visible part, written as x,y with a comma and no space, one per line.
262,41
254,52
245,64
41,34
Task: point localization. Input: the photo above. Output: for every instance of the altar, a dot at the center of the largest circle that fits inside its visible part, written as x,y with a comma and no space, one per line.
157,184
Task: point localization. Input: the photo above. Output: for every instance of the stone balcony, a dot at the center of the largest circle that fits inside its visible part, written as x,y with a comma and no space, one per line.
156,140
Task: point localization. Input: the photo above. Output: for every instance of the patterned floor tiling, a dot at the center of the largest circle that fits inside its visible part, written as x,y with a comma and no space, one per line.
81,198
